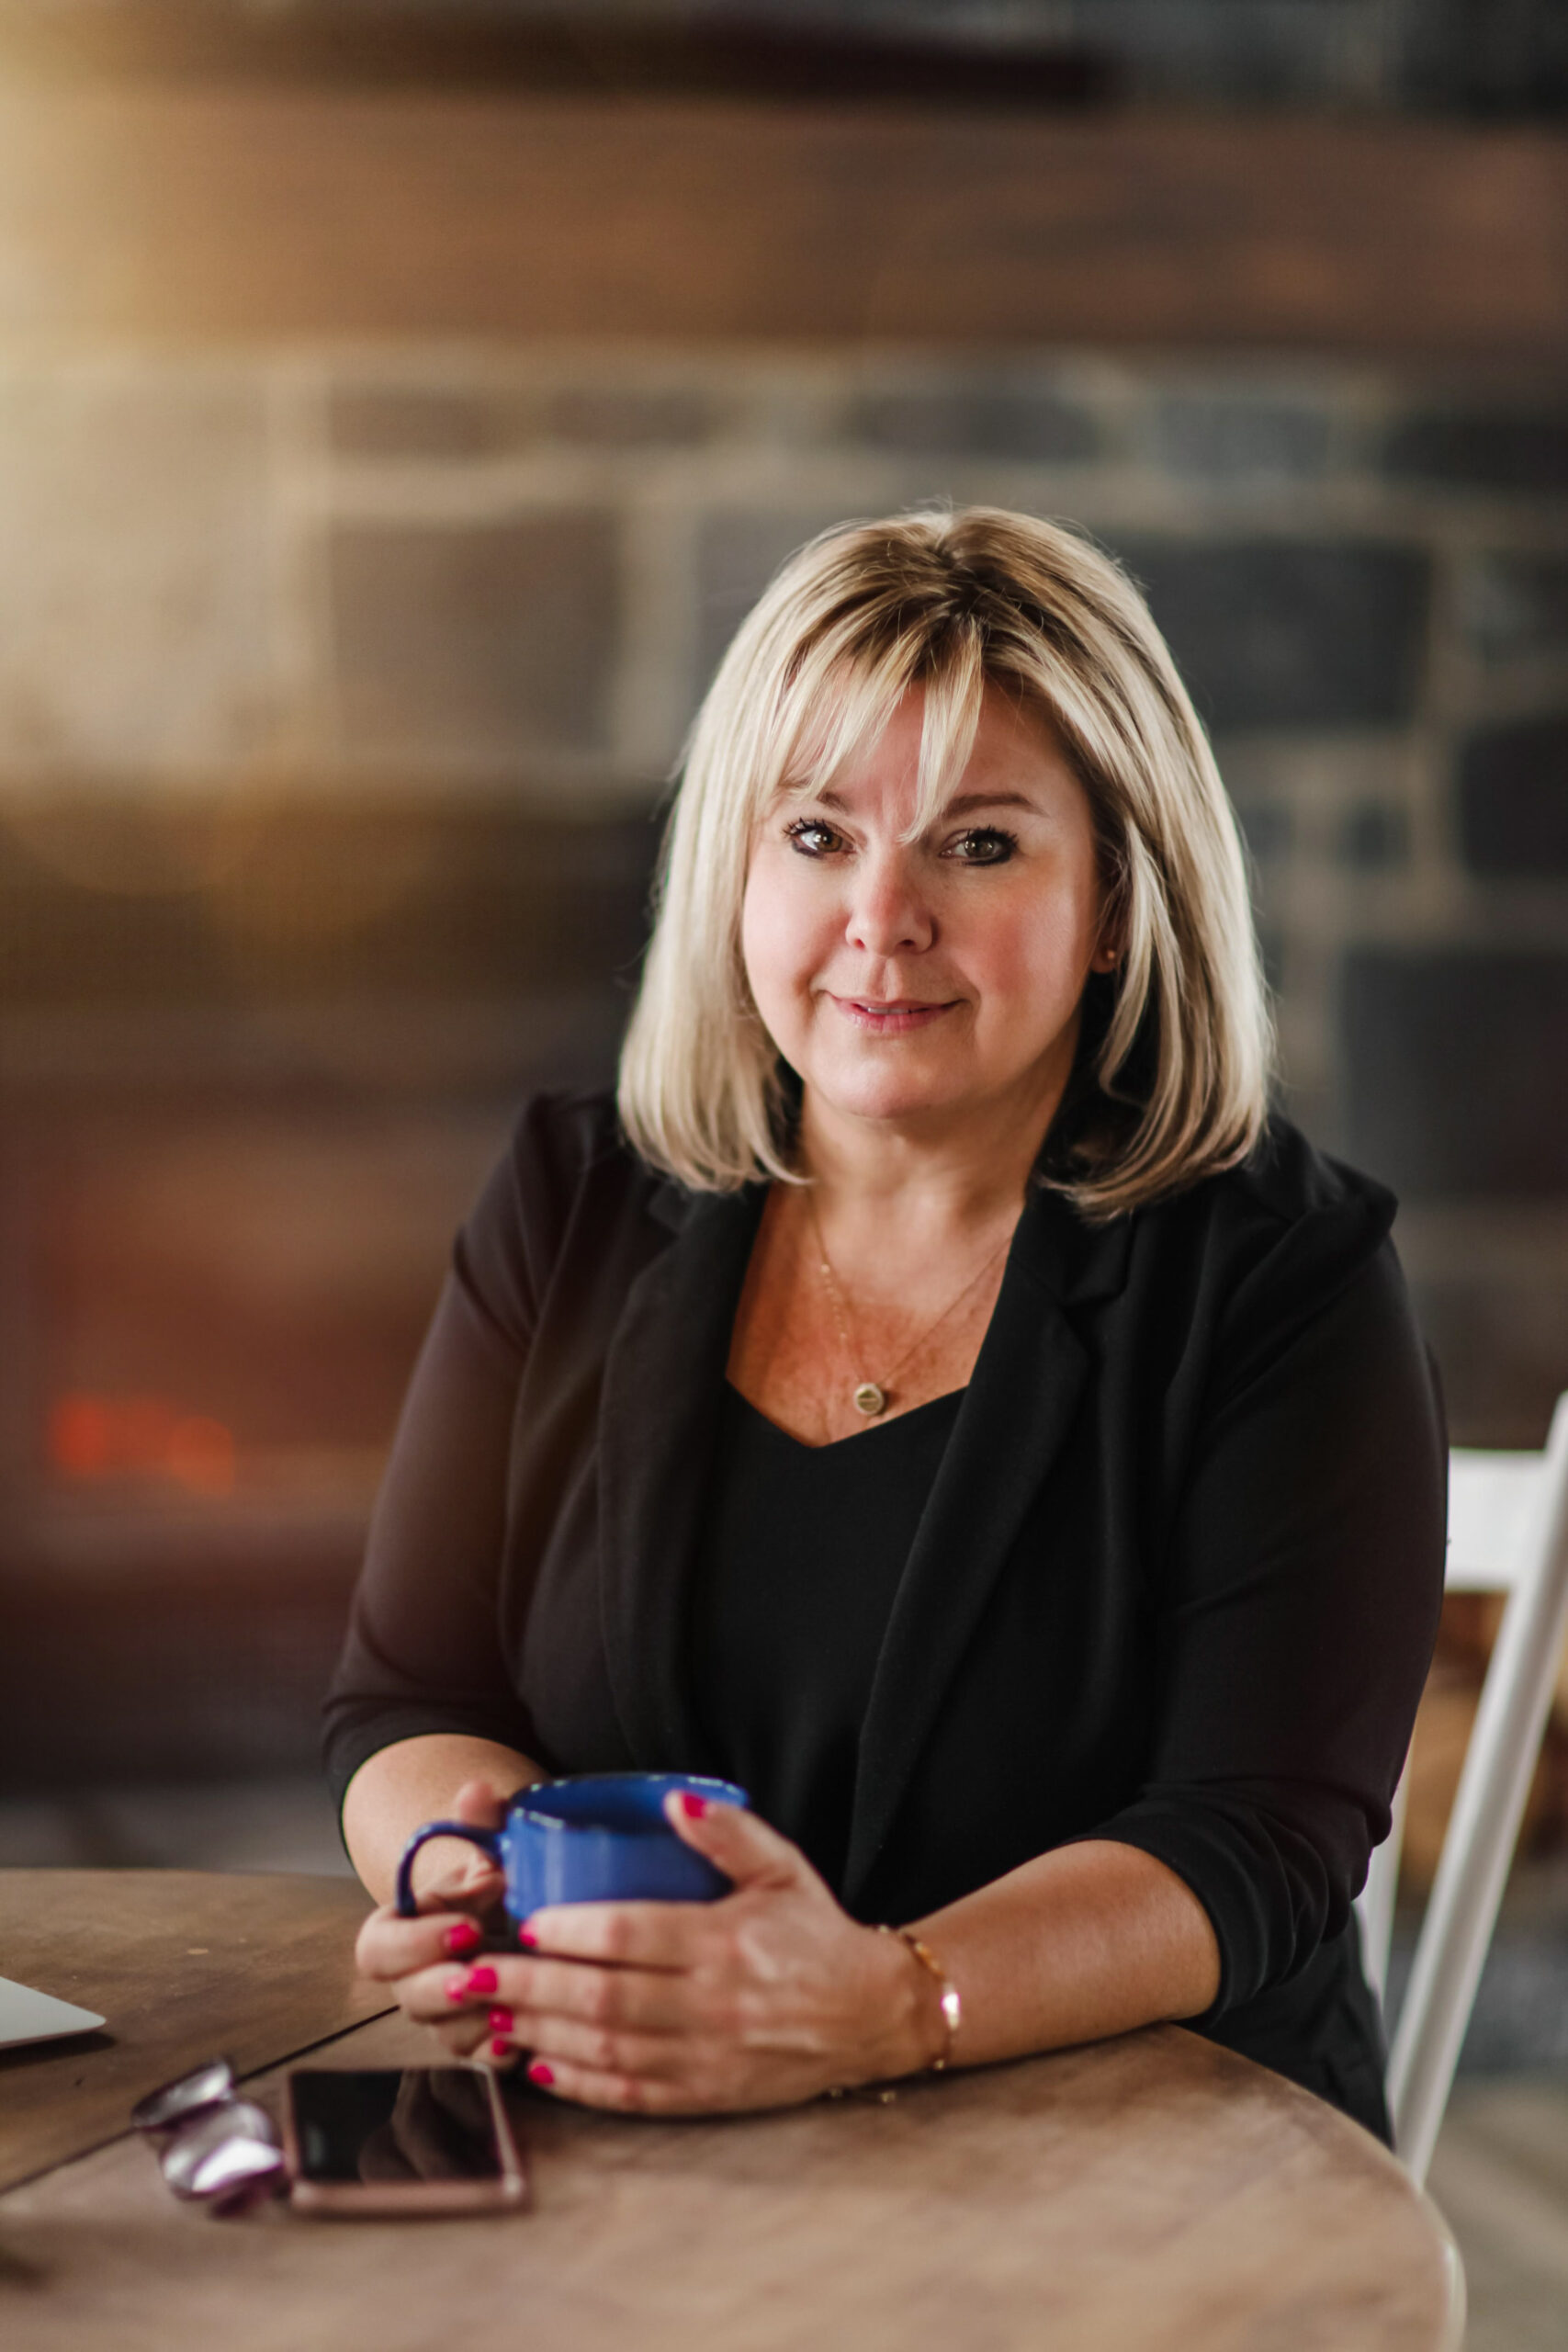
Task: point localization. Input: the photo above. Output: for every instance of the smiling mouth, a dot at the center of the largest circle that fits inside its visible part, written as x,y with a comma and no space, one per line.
891,1016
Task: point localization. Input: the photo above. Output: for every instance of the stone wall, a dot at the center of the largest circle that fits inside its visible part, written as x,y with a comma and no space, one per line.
460,589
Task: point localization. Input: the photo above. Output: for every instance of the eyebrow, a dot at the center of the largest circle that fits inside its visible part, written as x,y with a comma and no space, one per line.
964,805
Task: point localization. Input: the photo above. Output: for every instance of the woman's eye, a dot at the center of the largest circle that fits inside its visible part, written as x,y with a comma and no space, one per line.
812,837
983,846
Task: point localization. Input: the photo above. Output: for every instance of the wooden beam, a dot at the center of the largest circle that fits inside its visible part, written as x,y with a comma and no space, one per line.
265,213
431,46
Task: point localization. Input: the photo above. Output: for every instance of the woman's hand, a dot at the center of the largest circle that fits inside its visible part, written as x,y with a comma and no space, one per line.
453,1915
764,1998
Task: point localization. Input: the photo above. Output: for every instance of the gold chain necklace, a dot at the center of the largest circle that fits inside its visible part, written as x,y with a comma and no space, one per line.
870,1396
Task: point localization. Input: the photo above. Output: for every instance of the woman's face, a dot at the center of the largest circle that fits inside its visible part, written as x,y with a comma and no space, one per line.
919,982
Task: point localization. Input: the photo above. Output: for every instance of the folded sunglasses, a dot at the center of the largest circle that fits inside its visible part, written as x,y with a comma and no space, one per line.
213,2146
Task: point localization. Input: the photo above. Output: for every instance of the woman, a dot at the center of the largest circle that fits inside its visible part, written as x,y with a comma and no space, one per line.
933,1393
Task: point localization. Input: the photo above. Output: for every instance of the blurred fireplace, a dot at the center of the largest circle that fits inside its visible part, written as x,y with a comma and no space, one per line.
226,1304
220,1237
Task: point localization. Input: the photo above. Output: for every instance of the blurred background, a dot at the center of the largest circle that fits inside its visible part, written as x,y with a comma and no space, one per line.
399,406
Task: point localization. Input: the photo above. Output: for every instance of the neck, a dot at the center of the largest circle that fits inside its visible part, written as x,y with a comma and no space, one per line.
970,1172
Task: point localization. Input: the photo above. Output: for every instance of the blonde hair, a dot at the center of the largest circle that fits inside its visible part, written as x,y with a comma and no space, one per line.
1175,1049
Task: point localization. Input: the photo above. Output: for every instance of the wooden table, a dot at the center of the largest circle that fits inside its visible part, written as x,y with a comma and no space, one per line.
181,1965
1152,2192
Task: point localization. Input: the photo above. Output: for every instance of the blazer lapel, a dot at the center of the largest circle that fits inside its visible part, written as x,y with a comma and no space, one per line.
1016,1414
663,1381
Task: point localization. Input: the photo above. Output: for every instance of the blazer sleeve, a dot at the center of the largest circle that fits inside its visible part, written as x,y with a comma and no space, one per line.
1298,1606
423,1652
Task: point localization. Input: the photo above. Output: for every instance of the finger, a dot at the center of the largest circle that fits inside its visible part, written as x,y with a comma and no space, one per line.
390,1947
557,2041
626,2094
651,2001
736,1841
431,1995
481,1805
468,2036
461,1877
471,1882
462,2032
632,1999
628,1935
468,1877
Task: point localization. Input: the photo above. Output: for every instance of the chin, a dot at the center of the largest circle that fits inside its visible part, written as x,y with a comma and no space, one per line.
890,1096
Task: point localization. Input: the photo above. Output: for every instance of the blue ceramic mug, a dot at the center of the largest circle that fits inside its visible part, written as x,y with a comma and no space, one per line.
601,1838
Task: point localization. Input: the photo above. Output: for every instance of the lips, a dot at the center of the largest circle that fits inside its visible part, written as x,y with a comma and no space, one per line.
892,1017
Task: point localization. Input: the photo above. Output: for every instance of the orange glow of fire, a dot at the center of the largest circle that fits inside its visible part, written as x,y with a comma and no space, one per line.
115,1436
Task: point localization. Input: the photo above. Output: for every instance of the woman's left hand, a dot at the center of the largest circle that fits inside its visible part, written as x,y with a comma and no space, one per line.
768,1996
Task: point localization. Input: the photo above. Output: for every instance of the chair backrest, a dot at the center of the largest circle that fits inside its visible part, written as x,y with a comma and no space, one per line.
1507,1533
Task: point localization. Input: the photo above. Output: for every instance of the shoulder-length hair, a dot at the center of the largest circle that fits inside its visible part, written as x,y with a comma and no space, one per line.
1175,1048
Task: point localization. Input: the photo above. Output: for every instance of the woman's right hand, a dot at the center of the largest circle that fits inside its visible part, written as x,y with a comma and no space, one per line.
454,1912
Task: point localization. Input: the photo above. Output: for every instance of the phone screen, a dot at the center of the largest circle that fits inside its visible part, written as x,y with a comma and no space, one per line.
395,2124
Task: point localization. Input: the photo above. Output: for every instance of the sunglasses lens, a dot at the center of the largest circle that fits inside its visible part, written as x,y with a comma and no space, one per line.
234,2148
204,2087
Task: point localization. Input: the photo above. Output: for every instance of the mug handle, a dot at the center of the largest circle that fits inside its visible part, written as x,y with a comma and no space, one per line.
486,1841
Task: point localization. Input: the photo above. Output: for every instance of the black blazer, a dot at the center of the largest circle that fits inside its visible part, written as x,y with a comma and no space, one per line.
1177,1583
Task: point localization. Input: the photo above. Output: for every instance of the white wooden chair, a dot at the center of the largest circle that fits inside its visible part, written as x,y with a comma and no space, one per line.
1507,1533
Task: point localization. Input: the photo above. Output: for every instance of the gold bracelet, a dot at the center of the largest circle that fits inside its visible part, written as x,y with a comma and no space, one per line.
948,2001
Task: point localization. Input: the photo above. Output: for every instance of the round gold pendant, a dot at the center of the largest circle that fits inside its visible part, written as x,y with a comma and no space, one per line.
870,1400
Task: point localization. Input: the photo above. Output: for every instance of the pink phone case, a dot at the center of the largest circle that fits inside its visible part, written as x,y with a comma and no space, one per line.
506,2191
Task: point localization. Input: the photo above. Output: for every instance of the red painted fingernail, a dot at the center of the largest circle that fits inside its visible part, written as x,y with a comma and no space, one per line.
500,2020
481,1980
462,1936
527,1936
692,1806
457,1989
539,2073
499,2049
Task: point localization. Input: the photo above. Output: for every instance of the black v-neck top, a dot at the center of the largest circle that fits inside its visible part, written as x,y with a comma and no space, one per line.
1176,1585
799,1559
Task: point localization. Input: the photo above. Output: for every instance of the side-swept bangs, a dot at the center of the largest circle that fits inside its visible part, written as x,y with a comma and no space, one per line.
1176,1048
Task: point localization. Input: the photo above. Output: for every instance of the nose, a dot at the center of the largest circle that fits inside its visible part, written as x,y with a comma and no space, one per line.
889,913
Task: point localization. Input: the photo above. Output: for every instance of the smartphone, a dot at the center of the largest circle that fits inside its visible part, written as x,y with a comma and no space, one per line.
401,2141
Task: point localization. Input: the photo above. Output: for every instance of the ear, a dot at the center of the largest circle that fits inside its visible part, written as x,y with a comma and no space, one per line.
1110,938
